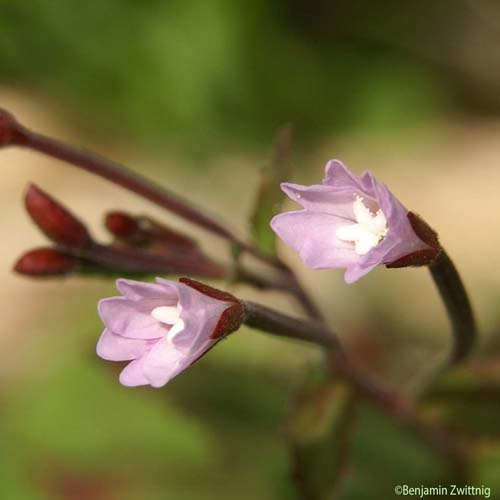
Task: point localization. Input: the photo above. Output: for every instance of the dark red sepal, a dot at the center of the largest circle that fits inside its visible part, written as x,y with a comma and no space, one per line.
416,259
420,257
54,220
423,230
210,291
45,262
230,320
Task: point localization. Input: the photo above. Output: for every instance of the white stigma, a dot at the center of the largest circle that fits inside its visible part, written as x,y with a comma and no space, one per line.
171,316
368,231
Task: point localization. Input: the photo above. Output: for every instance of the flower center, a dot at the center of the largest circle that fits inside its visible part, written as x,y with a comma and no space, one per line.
368,231
171,316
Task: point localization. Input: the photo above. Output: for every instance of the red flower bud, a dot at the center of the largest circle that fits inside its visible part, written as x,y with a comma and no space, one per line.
121,225
54,220
45,262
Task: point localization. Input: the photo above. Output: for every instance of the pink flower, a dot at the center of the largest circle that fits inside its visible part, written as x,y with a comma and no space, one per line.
163,327
349,222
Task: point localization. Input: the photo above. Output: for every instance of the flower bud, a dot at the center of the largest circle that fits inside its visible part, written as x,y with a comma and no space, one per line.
45,262
122,225
54,220
145,231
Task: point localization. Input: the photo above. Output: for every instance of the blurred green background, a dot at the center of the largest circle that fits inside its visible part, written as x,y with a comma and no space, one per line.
191,93
204,76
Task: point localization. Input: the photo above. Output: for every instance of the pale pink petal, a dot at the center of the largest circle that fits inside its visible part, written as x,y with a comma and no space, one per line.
200,314
133,374
163,363
325,199
356,271
313,236
138,290
117,348
337,175
130,319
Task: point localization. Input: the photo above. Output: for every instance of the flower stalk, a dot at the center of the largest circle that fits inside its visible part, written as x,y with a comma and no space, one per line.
267,319
458,306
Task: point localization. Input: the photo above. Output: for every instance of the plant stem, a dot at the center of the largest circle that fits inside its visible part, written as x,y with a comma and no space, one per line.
457,304
130,260
139,261
13,133
122,176
265,318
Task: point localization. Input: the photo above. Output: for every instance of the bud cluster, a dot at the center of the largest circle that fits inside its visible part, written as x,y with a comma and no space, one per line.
141,245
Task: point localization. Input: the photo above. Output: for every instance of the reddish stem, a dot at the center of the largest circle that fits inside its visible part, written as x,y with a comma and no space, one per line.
139,261
122,176
13,133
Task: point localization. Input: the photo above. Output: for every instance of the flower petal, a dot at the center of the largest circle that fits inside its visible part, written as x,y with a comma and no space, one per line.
356,271
401,237
117,348
200,314
313,236
337,175
138,290
164,362
133,374
326,199
130,319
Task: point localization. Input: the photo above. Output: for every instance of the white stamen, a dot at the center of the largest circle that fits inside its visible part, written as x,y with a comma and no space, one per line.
368,231
170,315
178,327
166,314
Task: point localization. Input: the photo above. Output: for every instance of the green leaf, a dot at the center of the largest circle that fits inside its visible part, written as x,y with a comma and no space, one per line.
319,437
270,197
